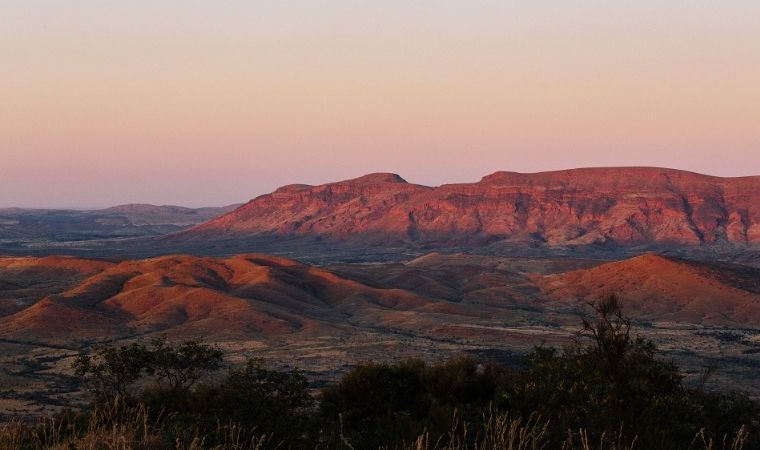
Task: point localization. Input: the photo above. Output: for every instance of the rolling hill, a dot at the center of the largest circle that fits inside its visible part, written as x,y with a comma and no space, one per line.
238,297
665,289
446,296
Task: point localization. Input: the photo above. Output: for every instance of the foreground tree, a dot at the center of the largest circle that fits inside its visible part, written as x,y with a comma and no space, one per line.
117,371
178,367
113,371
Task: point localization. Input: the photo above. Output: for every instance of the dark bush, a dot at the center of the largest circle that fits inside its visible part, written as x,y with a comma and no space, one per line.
381,404
257,400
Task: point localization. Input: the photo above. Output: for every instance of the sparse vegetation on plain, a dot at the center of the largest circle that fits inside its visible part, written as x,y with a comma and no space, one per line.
608,391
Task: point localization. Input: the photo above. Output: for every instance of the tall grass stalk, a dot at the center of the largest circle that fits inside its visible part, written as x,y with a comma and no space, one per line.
120,427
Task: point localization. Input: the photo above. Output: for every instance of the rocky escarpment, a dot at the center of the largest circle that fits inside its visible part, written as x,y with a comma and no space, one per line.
620,206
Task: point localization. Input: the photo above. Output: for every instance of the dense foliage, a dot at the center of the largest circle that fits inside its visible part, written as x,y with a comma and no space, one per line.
610,388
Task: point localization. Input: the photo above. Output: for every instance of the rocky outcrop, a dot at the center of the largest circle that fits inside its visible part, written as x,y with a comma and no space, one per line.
613,206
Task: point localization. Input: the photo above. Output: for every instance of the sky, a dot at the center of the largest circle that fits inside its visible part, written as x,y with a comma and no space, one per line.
202,103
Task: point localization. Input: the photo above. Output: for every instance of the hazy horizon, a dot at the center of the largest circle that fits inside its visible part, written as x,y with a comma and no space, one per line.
209,104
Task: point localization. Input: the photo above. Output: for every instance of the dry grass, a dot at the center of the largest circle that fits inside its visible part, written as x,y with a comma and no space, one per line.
500,432
132,430
118,427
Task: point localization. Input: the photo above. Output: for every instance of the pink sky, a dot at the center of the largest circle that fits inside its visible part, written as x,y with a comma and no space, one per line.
209,103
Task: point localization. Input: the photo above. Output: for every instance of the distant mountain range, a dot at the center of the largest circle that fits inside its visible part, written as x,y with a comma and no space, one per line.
630,206
591,213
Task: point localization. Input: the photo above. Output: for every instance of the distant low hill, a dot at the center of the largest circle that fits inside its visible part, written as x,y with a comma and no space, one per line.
18,225
145,214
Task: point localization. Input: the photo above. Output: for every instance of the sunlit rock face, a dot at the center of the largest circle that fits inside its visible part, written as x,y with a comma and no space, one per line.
624,206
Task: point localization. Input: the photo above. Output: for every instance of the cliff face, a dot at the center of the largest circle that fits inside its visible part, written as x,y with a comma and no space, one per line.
625,206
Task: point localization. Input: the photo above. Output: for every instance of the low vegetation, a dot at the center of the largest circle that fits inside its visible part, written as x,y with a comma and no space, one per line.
607,391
